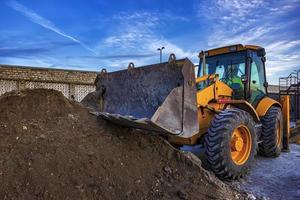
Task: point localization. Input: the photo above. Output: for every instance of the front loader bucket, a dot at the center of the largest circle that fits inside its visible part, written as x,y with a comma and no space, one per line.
159,98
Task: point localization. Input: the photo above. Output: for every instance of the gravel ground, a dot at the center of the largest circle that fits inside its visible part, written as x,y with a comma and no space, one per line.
275,178
270,178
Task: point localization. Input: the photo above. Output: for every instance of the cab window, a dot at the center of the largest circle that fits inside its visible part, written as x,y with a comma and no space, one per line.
230,68
257,88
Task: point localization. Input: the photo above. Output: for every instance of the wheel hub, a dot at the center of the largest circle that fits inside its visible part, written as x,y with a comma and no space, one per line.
237,144
241,144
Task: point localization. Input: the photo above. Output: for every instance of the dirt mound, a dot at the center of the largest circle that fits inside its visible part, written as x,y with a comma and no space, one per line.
52,148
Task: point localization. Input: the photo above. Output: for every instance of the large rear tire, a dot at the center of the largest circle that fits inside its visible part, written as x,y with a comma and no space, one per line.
231,143
272,133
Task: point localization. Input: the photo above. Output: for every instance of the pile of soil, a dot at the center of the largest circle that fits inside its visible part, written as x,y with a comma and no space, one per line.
52,148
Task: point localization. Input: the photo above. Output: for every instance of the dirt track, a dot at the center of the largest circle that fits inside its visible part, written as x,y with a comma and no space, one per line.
52,148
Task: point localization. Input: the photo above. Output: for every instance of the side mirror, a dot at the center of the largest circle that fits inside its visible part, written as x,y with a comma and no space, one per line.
266,84
261,52
244,78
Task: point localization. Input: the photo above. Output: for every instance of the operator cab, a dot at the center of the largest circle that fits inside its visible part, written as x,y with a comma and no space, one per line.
241,67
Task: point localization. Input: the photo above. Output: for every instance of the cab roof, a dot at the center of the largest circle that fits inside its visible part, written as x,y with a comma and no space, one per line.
230,48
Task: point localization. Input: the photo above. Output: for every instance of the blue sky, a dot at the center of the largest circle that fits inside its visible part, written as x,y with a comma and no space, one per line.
90,35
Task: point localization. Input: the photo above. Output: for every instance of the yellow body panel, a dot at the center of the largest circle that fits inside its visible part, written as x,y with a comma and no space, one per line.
222,90
223,50
285,102
253,47
205,116
264,105
203,78
206,102
243,105
205,95
213,92
228,49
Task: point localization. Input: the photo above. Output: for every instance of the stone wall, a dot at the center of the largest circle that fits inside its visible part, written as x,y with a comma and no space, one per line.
73,84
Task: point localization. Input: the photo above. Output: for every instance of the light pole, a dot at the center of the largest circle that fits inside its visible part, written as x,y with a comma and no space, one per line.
160,53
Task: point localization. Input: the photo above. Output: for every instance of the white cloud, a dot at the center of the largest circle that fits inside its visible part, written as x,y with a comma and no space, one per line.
137,33
256,22
34,17
282,46
283,56
253,35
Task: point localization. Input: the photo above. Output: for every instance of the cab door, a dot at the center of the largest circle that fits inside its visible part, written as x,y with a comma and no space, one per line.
257,78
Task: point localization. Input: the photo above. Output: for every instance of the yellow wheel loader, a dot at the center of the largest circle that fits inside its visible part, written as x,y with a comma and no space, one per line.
225,106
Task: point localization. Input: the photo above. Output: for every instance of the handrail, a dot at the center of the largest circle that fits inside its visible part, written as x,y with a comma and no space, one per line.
286,84
290,85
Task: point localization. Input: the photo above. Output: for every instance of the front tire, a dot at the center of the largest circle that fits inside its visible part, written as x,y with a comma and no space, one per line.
231,143
271,136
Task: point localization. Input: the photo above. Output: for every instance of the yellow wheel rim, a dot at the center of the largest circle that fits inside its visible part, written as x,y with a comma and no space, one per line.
278,133
241,144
